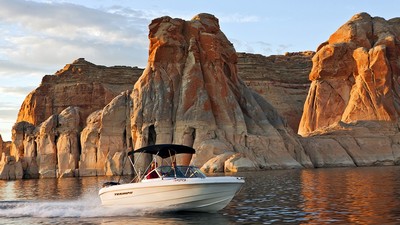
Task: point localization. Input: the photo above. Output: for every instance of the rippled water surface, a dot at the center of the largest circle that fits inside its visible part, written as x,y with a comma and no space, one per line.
316,196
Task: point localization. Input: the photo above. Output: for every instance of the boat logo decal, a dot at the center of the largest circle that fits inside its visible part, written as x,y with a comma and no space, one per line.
180,180
124,193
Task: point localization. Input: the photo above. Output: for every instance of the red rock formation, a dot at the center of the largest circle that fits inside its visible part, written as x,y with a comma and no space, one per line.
280,79
12,165
355,75
89,144
68,146
81,84
3,148
114,137
7,163
190,94
53,150
352,109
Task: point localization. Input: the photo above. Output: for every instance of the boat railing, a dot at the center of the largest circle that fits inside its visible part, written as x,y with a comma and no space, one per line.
178,172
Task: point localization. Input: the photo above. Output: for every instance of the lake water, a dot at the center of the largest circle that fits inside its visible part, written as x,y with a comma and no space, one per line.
309,196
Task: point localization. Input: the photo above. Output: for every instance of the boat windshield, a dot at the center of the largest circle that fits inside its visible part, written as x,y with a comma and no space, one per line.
180,172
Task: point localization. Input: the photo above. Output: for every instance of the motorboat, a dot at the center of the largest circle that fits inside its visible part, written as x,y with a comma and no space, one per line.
170,187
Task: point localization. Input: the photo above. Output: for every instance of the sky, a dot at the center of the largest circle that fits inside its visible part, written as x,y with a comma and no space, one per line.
42,36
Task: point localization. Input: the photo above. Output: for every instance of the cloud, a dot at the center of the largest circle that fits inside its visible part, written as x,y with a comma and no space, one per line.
260,47
54,33
70,21
10,69
21,91
239,18
282,48
8,116
11,99
5,131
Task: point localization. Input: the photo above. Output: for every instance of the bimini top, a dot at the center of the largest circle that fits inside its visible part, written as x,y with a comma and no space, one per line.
164,150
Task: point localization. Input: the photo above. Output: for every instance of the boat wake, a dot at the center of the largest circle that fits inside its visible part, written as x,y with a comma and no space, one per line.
81,208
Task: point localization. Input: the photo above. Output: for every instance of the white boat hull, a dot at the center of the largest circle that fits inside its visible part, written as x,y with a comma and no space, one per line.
182,194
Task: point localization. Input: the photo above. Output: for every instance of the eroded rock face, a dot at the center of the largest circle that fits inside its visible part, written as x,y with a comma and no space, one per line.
114,137
47,148
5,146
190,94
280,79
351,113
363,143
68,146
355,75
56,113
8,167
23,150
89,143
79,84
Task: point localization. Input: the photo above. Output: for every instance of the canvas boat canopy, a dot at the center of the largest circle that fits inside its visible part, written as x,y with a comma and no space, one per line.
164,150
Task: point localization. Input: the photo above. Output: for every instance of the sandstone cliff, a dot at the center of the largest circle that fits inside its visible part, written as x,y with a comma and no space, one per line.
82,84
355,75
46,137
6,162
352,107
190,94
280,79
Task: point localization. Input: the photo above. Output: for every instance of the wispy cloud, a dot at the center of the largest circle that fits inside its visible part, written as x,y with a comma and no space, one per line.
239,18
21,91
8,116
260,47
70,21
52,33
11,68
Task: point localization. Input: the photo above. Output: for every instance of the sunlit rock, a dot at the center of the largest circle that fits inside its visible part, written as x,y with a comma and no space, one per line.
191,84
46,148
352,108
355,75
89,143
68,151
80,84
114,136
237,163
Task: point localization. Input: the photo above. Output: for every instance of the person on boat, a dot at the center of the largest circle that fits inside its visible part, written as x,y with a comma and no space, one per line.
176,171
152,173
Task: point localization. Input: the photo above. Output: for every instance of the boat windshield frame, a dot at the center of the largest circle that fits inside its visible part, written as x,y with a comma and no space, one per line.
179,172
165,152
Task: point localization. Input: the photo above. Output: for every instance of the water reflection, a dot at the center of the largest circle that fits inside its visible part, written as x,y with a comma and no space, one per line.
351,195
46,189
172,219
318,196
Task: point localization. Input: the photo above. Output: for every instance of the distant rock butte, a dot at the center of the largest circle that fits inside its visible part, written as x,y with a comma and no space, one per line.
80,84
190,94
351,113
355,75
281,79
